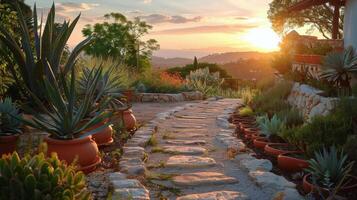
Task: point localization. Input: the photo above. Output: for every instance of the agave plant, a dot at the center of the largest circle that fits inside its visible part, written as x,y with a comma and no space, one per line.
9,125
39,53
338,67
107,93
65,110
270,126
329,168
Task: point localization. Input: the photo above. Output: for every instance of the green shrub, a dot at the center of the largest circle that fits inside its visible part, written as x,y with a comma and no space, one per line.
292,117
322,131
185,71
38,177
9,115
246,111
282,63
204,81
272,100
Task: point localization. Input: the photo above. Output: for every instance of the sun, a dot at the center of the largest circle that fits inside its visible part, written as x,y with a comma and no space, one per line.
264,39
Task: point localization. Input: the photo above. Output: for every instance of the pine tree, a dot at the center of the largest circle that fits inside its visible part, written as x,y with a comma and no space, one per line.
195,62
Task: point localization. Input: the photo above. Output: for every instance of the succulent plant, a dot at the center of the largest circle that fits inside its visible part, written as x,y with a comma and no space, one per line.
329,167
40,51
39,178
9,114
270,126
107,93
65,110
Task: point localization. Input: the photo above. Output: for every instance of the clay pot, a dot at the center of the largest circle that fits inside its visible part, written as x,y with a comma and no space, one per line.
8,144
289,163
84,150
103,137
257,135
129,94
129,119
273,150
309,187
260,143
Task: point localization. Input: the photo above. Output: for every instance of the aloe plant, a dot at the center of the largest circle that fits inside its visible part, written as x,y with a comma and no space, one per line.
9,125
271,126
39,53
37,177
338,67
65,110
329,168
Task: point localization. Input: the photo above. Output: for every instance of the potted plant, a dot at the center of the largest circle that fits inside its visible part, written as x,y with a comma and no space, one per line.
10,127
63,119
269,128
106,97
328,170
293,161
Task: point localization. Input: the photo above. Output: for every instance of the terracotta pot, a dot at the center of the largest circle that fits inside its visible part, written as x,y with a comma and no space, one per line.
260,143
129,119
129,94
309,187
289,163
8,144
257,135
271,149
103,137
251,131
84,150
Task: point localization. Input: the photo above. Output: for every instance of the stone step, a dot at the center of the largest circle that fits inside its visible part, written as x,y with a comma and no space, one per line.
184,135
184,150
189,162
190,126
186,142
216,195
190,117
202,179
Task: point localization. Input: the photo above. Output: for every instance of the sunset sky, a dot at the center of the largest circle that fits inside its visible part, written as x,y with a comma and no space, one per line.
183,28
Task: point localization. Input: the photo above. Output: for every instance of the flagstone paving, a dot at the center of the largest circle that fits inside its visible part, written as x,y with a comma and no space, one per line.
189,159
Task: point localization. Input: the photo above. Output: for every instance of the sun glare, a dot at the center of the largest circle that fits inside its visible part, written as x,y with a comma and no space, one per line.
264,39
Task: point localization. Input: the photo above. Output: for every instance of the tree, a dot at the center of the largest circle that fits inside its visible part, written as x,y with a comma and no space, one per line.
8,19
319,18
195,62
185,71
120,39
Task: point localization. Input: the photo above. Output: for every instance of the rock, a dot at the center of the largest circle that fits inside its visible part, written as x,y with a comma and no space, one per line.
184,150
116,176
134,169
203,179
270,181
186,142
244,157
190,162
127,183
257,164
288,194
217,195
131,193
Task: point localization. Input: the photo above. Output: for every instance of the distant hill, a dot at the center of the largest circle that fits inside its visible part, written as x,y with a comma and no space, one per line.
164,63
223,58
219,58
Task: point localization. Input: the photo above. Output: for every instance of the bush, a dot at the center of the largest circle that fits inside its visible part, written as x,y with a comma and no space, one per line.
38,177
282,63
321,132
272,100
160,83
292,117
246,111
204,81
185,71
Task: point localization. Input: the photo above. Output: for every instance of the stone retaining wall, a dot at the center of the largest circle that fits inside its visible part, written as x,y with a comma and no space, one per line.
309,100
167,98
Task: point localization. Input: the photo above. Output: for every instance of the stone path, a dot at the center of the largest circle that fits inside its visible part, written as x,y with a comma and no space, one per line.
185,154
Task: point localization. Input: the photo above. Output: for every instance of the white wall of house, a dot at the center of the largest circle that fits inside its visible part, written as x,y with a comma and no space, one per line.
350,26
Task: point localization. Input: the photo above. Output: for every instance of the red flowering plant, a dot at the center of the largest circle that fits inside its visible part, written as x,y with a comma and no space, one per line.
172,79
